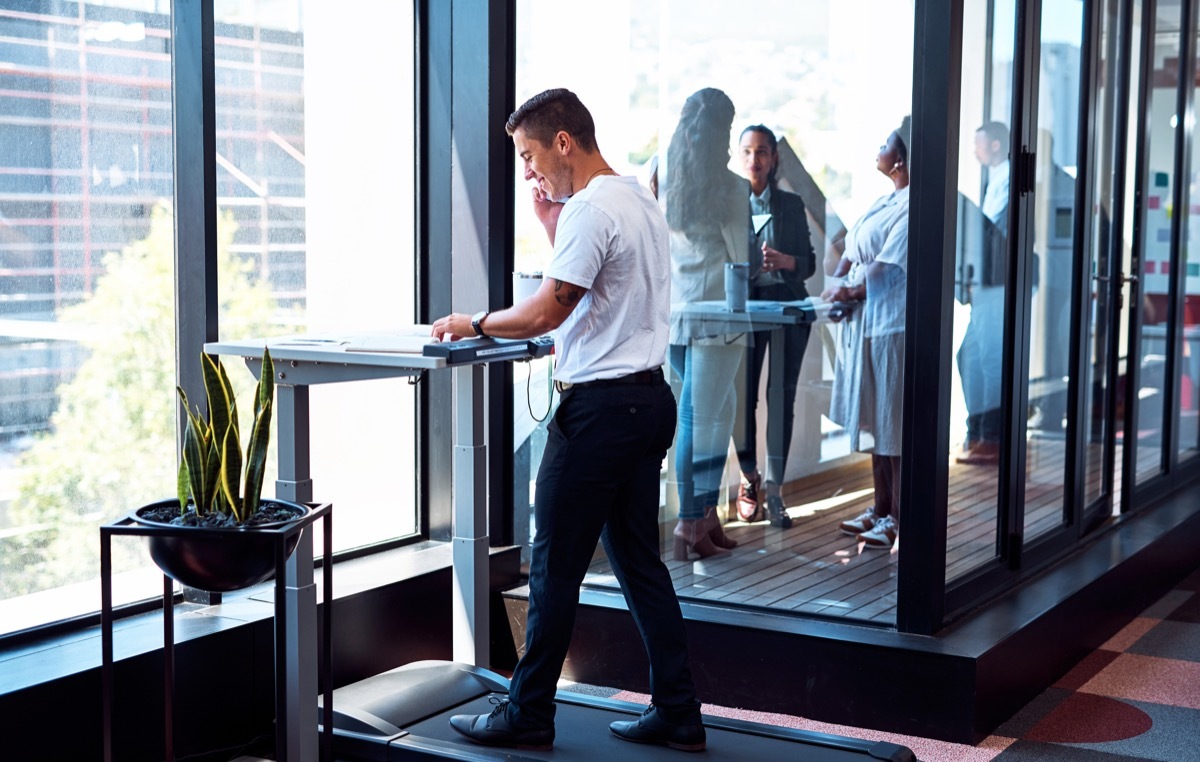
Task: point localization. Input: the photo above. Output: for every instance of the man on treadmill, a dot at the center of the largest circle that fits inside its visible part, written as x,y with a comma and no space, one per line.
607,296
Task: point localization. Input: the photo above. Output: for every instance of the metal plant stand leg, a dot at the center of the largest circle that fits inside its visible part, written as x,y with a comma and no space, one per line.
294,623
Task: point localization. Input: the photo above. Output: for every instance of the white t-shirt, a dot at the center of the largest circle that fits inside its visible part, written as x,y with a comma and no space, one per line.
995,198
612,239
882,236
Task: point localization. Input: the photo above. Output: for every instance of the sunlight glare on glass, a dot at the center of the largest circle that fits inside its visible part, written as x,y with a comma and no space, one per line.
829,503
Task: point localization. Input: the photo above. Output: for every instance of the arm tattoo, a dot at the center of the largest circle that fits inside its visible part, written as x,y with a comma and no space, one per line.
567,294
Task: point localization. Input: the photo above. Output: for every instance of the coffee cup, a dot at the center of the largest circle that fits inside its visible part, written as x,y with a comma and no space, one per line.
737,285
525,285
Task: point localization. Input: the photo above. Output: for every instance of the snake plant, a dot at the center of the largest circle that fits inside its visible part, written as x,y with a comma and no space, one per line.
210,469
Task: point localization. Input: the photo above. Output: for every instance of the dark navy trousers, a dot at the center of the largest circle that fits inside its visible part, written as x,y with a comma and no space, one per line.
599,480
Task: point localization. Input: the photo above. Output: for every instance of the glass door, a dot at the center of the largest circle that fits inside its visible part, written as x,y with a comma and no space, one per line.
1051,260
1187,343
1053,150
1104,389
1020,266
989,86
1161,428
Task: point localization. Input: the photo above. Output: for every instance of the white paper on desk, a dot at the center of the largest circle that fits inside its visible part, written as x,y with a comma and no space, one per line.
307,340
404,341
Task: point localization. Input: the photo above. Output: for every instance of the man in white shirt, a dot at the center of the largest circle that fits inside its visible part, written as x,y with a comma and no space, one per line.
980,358
606,295
991,149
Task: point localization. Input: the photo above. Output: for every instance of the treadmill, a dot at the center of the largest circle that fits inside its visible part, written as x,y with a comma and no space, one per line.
404,714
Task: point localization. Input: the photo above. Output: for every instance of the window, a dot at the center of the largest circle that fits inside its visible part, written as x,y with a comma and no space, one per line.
315,147
832,89
86,260
315,201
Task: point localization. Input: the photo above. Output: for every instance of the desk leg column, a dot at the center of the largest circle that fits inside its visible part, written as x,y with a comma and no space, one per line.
295,477
471,569
300,636
300,591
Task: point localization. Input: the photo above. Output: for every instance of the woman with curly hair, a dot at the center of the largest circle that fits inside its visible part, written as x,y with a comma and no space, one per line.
709,226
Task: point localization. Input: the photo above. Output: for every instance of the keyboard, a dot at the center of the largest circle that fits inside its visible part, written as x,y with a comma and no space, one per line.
487,348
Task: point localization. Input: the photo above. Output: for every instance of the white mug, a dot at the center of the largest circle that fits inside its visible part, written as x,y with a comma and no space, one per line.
525,285
737,285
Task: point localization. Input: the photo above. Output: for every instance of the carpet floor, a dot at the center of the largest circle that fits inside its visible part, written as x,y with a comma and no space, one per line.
1137,697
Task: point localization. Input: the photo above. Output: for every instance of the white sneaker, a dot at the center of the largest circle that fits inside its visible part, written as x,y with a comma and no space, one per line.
863,523
882,536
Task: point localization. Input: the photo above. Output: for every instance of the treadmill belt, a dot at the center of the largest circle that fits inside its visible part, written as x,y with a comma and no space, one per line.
581,732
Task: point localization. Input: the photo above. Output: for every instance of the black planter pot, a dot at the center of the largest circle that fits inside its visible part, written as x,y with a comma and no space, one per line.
218,559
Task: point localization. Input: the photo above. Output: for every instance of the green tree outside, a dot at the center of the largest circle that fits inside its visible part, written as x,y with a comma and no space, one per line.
111,446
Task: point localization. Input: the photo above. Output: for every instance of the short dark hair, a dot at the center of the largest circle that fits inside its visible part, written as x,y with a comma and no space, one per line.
546,114
998,132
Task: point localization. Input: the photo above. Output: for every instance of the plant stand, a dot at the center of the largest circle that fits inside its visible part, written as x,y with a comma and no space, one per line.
294,595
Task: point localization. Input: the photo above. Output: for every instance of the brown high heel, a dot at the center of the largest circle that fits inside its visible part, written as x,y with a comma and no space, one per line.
692,535
716,532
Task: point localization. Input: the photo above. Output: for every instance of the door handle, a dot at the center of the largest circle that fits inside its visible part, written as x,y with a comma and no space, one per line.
1124,278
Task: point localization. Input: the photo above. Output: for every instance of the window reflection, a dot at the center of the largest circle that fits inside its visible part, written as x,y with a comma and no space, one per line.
1189,359
816,86
981,272
1111,242
1054,255
707,211
1155,245
981,354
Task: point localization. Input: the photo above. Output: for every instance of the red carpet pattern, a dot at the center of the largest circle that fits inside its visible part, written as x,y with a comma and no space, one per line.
1135,698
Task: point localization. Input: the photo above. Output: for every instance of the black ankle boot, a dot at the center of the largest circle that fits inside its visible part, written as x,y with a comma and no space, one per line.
778,513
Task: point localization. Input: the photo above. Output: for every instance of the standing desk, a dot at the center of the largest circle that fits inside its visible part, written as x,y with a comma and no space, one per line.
303,361
711,319
402,713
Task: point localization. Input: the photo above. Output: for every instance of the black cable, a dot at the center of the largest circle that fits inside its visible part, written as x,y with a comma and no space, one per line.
529,396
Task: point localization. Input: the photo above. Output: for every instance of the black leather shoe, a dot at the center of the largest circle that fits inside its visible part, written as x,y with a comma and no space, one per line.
653,728
778,513
495,730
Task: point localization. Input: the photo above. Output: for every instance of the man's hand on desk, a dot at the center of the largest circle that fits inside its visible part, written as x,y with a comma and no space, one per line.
453,327
536,315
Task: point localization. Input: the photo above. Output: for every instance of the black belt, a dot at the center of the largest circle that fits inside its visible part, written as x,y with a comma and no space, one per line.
641,377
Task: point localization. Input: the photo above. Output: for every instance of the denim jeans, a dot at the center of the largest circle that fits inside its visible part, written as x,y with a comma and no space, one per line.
712,377
981,364
599,479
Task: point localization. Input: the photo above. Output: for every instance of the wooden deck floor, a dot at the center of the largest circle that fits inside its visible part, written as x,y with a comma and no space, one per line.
812,568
